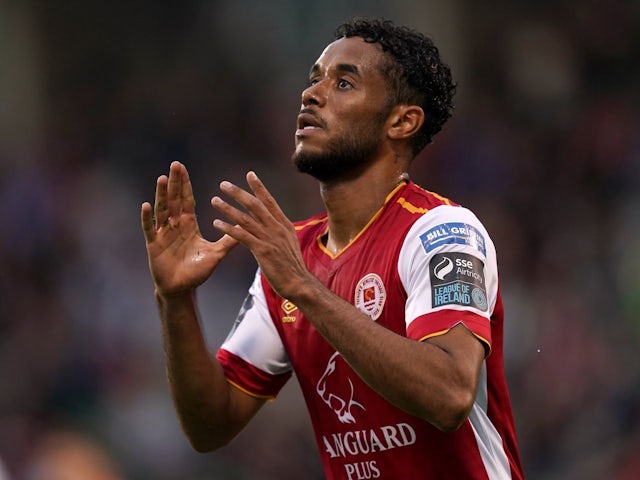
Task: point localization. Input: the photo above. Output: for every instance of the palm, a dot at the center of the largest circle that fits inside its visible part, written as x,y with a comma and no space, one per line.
179,257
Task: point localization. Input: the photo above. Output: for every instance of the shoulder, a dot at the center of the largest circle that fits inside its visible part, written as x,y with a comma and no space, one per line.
413,203
311,227
415,196
449,227
311,222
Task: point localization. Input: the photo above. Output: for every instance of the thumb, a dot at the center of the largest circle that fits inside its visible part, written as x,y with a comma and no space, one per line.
226,244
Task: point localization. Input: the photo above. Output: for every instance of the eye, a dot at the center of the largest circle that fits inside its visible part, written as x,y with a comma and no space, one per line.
312,82
344,84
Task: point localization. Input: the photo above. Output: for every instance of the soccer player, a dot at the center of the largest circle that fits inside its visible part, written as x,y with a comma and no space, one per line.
387,306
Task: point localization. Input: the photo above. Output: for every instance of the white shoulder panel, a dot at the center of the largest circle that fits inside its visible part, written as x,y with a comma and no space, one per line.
448,261
254,337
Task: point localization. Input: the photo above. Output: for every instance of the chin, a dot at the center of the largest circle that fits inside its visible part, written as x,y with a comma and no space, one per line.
341,160
328,168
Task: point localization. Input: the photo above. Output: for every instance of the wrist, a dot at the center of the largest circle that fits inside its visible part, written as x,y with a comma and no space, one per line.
310,290
173,298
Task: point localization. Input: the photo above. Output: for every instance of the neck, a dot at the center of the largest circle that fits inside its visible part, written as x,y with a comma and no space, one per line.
351,203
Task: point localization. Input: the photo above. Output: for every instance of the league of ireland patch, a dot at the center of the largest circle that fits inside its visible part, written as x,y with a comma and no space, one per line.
458,279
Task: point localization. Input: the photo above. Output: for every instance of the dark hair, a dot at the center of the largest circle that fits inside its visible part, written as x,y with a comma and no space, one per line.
415,72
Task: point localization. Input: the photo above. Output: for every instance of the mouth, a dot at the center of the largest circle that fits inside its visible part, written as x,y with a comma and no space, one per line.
308,123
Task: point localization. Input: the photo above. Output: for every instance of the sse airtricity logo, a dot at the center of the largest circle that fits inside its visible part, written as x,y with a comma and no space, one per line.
443,268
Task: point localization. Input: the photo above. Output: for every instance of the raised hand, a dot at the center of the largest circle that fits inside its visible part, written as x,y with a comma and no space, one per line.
266,231
180,259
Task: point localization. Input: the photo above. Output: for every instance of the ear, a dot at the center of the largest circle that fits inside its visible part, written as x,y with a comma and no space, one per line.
405,121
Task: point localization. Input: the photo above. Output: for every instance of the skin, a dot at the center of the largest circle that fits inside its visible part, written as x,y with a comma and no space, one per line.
435,380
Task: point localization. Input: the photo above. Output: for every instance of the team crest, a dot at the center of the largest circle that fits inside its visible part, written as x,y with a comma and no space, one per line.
370,295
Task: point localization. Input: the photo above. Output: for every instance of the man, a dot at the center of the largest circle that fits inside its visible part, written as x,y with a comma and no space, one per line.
387,306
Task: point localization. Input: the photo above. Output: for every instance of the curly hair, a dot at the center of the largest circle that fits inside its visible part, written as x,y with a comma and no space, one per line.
415,72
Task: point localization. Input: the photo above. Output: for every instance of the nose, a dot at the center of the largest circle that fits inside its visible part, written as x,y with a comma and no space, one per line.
314,95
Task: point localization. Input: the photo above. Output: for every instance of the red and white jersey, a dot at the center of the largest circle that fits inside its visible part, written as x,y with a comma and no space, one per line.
421,266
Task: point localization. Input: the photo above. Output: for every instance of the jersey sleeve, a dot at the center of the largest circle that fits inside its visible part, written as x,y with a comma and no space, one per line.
253,357
448,268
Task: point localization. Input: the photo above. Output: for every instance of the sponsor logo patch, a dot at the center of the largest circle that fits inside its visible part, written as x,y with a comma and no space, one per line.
370,295
453,233
457,279
288,308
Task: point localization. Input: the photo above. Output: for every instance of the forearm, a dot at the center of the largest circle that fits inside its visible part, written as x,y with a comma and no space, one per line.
421,378
198,386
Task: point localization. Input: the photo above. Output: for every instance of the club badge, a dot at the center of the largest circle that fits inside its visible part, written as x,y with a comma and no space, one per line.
370,295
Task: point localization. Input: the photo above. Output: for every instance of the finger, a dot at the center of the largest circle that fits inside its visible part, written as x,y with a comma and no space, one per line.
186,193
263,194
148,227
160,205
254,207
226,244
174,189
234,232
237,216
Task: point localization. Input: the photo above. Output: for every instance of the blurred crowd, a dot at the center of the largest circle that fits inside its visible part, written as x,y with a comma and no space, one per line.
97,98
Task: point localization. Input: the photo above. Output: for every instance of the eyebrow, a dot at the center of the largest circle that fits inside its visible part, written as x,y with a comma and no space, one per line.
341,67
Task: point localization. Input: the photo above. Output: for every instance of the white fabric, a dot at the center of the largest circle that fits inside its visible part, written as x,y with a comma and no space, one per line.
255,339
413,263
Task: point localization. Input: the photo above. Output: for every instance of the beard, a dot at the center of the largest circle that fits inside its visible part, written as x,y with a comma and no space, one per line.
344,157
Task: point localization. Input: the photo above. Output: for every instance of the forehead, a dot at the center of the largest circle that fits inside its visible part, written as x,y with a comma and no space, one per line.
368,57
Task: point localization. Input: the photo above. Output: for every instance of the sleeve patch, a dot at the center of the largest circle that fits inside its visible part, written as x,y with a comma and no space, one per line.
457,279
453,233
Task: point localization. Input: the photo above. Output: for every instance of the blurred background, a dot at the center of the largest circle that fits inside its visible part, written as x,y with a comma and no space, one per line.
97,98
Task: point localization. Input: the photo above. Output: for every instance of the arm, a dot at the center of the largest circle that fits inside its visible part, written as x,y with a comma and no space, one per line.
210,410
435,380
